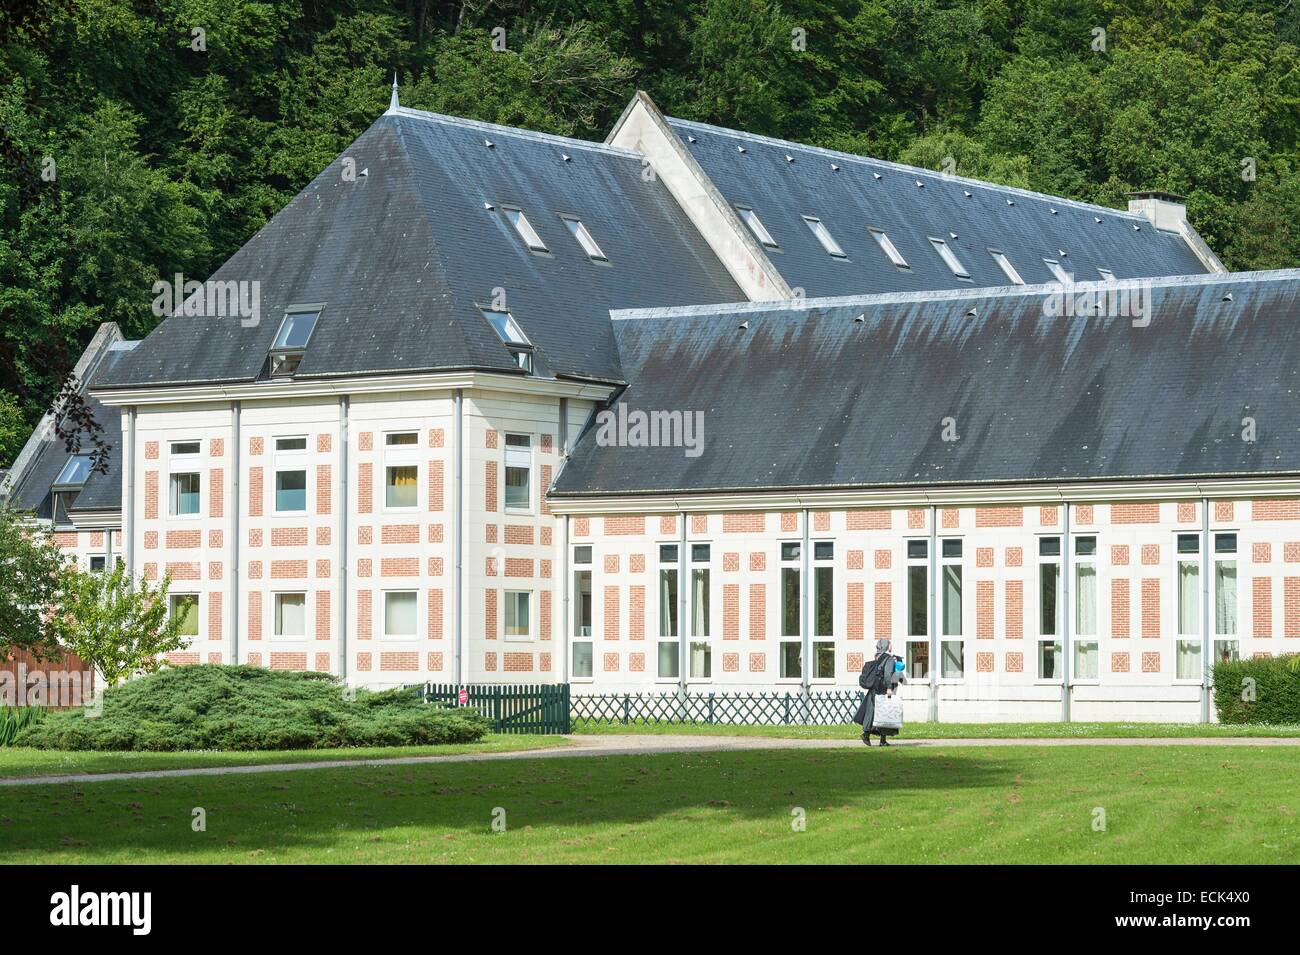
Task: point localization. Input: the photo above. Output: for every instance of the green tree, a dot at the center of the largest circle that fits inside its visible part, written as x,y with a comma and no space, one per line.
118,623
33,572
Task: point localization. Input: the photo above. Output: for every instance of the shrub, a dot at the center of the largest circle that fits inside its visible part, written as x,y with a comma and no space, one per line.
212,706
15,718
1276,691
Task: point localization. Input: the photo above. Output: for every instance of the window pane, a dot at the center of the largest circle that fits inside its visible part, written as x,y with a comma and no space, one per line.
918,610
667,553
668,654
791,666
952,600
1225,543
584,238
917,550
295,330
1188,659
823,661
700,603
823,550
824,236
953,654
751,219
918,660
701,660
1048,575
791,551
525,230
1225,597
402,485
700,553
404,439
1085,599
1085,660
951,548
291,444
790,615
290,615
1189,597
1008,269
582,603
1189,544
582,660
185,608
291,490
185,447
582,555
1085,546
185,494
399,614
1049,652
950,258
1225,651
824,583
668,604
1049,547
517,490
517,617
887,245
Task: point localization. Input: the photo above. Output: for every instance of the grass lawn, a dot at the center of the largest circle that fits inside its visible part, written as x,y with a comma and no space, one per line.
1022,804
17,762
955,730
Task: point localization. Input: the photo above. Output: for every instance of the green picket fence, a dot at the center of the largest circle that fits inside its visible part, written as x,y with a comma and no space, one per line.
534,708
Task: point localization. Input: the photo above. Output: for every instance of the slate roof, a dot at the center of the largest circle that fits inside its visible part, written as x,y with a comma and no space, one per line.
851,200
808,398
402,256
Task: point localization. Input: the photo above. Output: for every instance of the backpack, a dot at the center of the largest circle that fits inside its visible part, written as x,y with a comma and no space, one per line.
875,675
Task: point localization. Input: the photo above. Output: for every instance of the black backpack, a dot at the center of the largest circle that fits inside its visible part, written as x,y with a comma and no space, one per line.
875,675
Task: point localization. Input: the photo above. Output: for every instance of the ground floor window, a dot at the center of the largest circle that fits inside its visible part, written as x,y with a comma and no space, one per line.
823,660
1187,658
185,608
582,659
400,613
791,659
1226,651
952,655
918,659
518,615
701,660
1085,660
669,668
290,615
1049,660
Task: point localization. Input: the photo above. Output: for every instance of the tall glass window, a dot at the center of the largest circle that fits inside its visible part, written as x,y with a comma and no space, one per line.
791,611
1187,655
918,609
1226,647
1085,608
582,608
669,651
1049,579
701,646
823,650
952,651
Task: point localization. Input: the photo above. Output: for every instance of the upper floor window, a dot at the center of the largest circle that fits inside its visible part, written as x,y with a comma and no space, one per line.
508,330
184,494
950,258
581,233
824,236
519,472
525,228
291,340
751,219
67,486
888,247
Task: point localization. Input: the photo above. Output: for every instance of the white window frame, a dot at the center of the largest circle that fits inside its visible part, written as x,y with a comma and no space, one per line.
581,565
517,457
1181,638
706,640
276,601
1055,636
815,566
403,456
756,227
90,562
661,624
1004,263
918,639
785,564
1228,557
198,612
183,464
516,218
950,258
887,246
531,634
578,229
1077,637
945,638
414,592
824,236
286,461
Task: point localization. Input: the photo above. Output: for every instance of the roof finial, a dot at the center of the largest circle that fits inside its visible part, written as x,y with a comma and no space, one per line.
392,103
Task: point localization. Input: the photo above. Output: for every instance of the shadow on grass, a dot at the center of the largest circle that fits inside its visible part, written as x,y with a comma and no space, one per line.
334,808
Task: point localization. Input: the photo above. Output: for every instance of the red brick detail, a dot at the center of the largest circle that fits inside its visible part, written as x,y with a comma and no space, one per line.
214,615
1146,512
821,521
883,559
1119,555
365,534
490,566
97,539
984,610
255,659
254,570
435,661
70,540
999,516
324,488
151,495
400,660
744,523
731,663
884,613
1048,517
399,534
490,438
1291,552
857,560
435,533
872,519
1151,661
323,631
288,661
214,657
1261,552
731,611
365,619
1223,511
611,563
699,523
366,441
363,662
519,567
789,522
66,539
636,662
636,612
1083,514
182,659
757,561
1275,509
1291,607
322,664
1150,554
490,614
323,568
949,517
217,492
217,448
254,617
983,556
365,567
581,526
435,614
758,611
1119,608
1014,557
256,490
519,534
548,443
254,537
856,610
1186,512
1015,609
547,475
216,538
399,567
437,438
545,536
1015,662
490,490
609,662
915,518
151,450
667,525
984,662
1150,607
636,563
215,570
624,525
179,540
288,569
490,533
435,566
324,443
544,616
518,662
730,562
611,613
1119,662
183,570
757,662
1262,607
855,661
256,445
288,537
365,488
437,484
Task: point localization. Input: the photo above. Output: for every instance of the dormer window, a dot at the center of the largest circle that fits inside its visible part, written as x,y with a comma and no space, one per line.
67,486
508,330
525,229
290,343
751,219
887,246
579,232
824,236
950,258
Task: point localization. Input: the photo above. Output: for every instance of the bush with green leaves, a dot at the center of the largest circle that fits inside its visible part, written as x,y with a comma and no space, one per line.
1260,690
221,707
13,719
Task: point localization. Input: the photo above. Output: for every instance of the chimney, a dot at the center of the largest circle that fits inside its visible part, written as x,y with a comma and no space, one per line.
1164,209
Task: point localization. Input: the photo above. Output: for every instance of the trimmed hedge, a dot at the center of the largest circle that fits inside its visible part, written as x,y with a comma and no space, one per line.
221,707
1276,691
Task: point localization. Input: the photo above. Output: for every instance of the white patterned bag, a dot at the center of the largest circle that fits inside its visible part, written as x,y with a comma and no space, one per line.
889,713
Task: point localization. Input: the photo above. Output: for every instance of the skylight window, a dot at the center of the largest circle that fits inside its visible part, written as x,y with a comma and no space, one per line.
508,330
584,238
889,248
66,487
1007,268
291,341
525,229
824,236
75,471
756,226
1106,274
949,258
1062,276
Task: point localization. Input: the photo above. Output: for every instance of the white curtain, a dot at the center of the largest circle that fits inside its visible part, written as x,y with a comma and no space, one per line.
700,603
1225,597
291,615
1189,659
399,614
1085,595
1189,580
1085,660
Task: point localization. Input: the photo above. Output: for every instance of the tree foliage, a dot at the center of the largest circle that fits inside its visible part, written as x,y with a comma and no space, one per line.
138,140
33,573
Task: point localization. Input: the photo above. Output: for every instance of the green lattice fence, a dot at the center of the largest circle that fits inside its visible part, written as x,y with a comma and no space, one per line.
757,709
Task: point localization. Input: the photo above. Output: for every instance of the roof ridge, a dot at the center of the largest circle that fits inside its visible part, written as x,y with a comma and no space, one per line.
903,167
552,138
938,295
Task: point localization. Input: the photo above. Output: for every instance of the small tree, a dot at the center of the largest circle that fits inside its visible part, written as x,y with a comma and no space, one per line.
116,623
32,574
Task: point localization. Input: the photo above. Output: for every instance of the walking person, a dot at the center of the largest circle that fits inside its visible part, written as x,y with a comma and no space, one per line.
880,679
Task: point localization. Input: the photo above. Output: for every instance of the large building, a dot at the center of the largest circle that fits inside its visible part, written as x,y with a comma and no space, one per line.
698,411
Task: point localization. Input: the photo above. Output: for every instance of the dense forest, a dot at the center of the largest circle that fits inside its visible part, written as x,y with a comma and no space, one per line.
140,138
